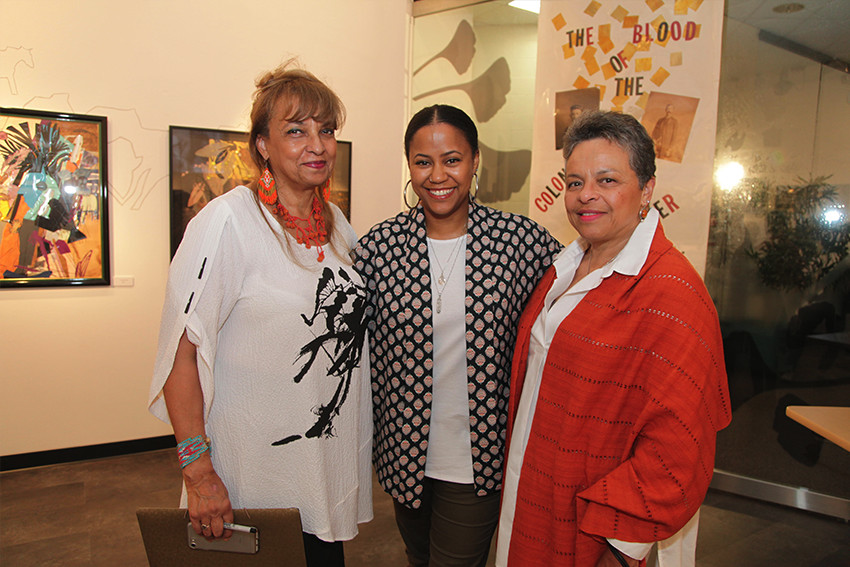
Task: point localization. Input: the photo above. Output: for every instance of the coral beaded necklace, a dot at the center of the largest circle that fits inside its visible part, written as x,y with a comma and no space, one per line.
309,235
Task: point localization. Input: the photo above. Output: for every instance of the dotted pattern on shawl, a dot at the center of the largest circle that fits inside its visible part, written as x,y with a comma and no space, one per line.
670,363
658,456
666,315
694,295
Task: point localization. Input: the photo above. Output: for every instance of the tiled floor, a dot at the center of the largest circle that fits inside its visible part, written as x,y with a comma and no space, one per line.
84,514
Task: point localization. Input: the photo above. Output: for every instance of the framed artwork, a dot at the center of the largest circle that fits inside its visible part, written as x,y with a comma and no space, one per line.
341,180
206,163
53,199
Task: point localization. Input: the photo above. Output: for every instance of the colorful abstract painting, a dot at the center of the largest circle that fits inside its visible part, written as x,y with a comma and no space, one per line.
53,199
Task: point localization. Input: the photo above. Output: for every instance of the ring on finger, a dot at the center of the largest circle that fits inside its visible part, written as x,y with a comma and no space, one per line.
204,527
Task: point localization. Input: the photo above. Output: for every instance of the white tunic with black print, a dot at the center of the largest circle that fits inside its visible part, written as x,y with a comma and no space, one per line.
282,364
506,255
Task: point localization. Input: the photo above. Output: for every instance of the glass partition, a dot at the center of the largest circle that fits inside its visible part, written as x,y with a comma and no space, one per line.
777,264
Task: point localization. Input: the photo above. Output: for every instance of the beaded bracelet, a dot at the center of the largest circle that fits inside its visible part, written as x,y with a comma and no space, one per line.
191,448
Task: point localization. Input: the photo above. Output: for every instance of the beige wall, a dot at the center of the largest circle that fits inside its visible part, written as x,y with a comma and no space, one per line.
76,363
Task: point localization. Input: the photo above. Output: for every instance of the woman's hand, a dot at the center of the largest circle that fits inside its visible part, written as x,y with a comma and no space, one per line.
209,502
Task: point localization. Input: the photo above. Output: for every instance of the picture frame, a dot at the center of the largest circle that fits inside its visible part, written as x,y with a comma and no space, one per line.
54,206
205,163
341,179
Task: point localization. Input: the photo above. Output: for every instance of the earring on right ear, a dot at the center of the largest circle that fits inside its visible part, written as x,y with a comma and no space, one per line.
644,210
404,194
267,191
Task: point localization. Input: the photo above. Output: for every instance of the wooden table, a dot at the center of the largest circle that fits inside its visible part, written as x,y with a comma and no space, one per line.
831,422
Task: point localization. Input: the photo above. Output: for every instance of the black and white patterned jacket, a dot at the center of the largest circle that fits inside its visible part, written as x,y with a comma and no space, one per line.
506,255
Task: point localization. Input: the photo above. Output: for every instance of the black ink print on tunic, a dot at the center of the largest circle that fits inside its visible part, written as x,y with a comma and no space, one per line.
341,306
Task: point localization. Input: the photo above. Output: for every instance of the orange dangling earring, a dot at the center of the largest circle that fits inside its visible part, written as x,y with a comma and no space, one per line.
267,191
326,190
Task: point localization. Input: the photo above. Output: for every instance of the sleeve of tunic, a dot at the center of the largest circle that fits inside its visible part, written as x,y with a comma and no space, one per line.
202,288
349,236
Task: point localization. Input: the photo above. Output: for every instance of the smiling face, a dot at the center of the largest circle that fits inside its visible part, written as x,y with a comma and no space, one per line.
442,164
603,196
302,153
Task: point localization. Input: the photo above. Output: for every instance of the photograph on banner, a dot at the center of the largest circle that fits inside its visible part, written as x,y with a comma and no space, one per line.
569,105
668,118
658,61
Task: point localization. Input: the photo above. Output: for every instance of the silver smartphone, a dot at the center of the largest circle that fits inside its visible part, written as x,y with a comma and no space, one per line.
245,539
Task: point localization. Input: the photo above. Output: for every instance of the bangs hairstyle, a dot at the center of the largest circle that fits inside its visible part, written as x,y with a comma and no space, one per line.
620,129
306,95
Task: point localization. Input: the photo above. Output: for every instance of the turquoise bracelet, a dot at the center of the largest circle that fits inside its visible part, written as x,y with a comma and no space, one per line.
189,450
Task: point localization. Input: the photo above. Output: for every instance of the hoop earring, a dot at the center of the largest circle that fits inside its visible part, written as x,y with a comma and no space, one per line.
472,195
404,194
266,190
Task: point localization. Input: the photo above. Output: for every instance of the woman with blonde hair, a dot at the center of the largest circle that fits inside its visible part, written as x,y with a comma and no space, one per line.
261,368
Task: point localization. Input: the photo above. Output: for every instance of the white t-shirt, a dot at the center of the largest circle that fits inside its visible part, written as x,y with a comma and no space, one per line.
449,454
280,351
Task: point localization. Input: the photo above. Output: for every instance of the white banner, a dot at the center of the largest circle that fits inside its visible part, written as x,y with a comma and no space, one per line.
658,60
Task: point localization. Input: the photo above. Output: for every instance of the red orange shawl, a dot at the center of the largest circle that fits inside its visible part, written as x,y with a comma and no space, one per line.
633,393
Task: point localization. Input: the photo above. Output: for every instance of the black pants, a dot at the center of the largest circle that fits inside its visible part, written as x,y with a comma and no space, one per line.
322,553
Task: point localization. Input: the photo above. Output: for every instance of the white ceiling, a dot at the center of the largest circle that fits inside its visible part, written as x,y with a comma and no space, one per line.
822,25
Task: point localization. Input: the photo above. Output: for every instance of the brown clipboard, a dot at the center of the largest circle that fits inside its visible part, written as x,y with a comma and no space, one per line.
164,534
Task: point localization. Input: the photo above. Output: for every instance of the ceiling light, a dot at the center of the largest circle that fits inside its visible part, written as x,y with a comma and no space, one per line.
527,5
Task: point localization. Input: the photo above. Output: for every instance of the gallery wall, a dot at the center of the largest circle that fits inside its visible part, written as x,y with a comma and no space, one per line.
76,362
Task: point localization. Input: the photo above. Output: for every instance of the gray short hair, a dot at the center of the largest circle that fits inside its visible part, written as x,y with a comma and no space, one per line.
621,129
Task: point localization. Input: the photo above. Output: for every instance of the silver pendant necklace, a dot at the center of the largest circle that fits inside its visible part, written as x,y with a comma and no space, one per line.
443,279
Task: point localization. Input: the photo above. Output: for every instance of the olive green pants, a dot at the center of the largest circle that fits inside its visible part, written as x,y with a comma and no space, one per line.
452,528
